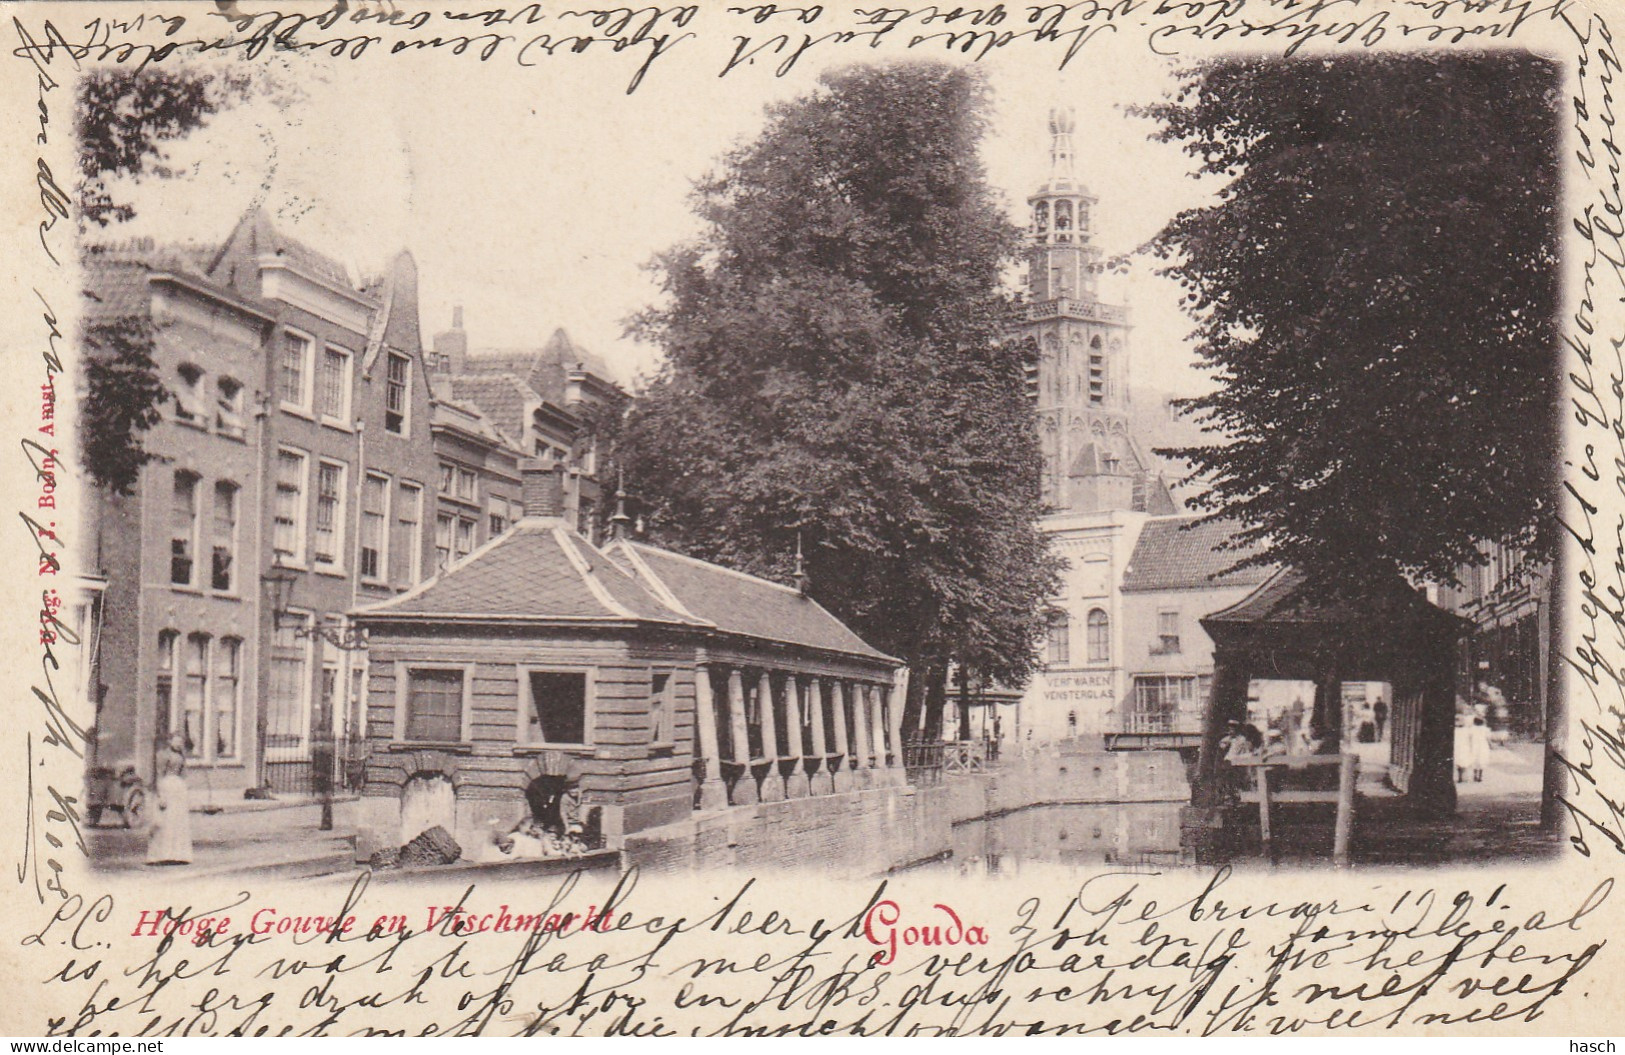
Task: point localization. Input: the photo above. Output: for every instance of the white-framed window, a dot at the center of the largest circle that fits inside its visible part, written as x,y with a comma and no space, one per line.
555,706
448,478
1099,631
1058,626
445,525
468,488
463,545
227,694
288,703
183,530
397,394
228,408
296,371
195,693
327,549
289,502
375,527
333,387
165,688
501,514
408,545
1168,631
432,705
223,551
1158,697
189,399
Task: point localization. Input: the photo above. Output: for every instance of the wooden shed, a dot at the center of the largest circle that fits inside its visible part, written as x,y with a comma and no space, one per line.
644,683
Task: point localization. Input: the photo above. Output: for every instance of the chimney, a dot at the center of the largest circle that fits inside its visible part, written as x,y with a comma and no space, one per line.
541,488
451,346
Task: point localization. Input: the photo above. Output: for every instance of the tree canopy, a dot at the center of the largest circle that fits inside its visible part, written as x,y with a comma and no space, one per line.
837,367
1376,290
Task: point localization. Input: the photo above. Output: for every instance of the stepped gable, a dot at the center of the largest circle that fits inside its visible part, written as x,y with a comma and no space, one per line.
742,604
539,571
1183,553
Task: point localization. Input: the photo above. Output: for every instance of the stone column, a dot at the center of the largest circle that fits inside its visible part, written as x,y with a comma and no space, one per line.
862,776
773,782
744,791
713,793
795,781
819,781
841,777
894,720
877,726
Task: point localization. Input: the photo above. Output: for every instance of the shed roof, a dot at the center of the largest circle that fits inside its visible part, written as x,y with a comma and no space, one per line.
739,603
1184,553
539,571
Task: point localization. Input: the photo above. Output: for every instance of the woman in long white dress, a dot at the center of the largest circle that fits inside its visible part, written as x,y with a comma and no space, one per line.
170,842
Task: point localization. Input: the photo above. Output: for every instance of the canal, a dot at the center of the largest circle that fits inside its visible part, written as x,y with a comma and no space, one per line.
1119,834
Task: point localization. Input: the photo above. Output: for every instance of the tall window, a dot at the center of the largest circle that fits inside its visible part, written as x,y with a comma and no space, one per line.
183,529
408,544
286,712
1168,631
1100,636
329,545
467,485
189,396
293,377
166,677
288,518
227,679
195,692
557,707
397,380
374,517
1060,634
228,407
443,527
501,515
434,705
1097,373
222,558
663,710
333,394
465,538
448,478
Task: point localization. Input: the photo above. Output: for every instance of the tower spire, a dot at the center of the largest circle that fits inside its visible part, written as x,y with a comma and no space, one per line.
619,523
1062,122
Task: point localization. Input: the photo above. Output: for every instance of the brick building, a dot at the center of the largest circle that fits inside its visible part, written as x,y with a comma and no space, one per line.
551,402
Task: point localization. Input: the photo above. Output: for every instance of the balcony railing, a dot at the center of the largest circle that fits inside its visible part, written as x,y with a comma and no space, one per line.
1088,309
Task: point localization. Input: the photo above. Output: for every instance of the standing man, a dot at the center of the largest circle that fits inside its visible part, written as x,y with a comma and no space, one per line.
1379,714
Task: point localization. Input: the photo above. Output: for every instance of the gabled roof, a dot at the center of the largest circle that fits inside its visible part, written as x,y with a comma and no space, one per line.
1285,599
738,603
538,571
1183,553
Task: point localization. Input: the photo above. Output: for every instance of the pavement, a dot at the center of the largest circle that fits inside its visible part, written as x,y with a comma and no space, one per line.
277,838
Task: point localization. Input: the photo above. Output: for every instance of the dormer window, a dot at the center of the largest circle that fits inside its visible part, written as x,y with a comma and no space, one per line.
228,407
189,395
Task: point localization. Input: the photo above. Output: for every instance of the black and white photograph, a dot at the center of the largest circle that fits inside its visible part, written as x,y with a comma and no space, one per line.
743,520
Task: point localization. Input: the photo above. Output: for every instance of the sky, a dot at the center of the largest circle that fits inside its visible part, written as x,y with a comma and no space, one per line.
534,199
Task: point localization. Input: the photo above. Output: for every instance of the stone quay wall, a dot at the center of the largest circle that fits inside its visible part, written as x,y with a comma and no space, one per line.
865,833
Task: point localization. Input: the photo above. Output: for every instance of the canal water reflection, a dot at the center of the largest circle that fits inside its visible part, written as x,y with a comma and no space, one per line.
1120,834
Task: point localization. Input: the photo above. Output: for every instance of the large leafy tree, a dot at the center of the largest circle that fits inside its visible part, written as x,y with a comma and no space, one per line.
1376,290
124,118
837,367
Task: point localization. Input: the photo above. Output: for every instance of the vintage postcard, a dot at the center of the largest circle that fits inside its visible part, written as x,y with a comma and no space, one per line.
1091,519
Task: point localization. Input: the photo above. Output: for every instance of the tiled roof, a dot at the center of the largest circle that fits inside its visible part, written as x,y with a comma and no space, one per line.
1181,553
500,397
471,419
1283,599
539,570
114,288
740,603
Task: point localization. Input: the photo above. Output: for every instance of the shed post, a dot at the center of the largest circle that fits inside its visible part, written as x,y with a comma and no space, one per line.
713,793
773,781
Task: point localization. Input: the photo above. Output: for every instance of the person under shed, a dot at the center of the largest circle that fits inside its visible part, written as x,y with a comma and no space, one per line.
1286,630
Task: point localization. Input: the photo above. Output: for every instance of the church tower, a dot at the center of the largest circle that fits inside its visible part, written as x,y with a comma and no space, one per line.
1090,463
